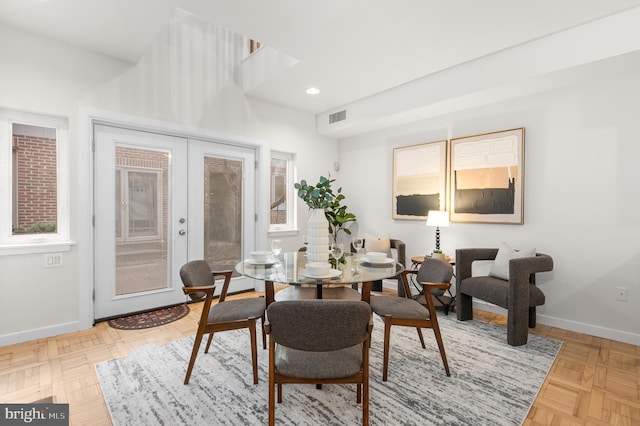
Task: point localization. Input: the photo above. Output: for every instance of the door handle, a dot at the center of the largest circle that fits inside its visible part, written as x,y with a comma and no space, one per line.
182,232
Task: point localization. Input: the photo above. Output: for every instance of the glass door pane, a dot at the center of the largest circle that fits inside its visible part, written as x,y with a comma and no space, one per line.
222,212
222,206
141,247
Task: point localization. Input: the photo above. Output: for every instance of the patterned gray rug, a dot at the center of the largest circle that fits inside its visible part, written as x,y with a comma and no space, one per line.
491,382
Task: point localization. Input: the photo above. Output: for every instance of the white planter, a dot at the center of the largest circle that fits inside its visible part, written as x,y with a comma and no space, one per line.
318,231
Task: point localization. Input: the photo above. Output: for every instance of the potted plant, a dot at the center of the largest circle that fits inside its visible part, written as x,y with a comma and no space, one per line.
322,196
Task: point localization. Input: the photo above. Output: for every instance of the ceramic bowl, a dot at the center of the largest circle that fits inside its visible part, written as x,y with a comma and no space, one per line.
376,256
318,268
260,256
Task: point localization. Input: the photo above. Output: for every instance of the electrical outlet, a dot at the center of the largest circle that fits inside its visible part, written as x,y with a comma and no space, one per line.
52,260
622,294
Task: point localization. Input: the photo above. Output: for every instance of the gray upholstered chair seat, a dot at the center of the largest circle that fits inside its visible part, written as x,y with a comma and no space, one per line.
236,310
319,365
494,290
398,307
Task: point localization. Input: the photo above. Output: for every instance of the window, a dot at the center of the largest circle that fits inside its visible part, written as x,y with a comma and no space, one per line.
281,192
34,189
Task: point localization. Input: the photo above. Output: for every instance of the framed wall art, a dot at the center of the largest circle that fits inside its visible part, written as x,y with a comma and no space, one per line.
487,178
419,180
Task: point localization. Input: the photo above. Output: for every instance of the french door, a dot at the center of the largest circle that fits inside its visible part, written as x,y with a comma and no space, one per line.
222,203
160,201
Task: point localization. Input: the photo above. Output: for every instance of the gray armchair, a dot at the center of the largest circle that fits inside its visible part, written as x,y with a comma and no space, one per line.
519,295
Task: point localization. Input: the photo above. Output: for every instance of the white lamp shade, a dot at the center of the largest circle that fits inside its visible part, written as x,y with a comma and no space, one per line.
438,218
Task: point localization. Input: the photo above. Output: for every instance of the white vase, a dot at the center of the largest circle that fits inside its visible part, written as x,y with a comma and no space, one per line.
318,231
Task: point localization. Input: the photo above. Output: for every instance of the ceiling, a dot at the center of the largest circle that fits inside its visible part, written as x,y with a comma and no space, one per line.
348,49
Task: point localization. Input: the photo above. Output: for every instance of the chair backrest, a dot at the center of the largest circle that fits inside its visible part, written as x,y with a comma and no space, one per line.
435,271
197,273
319,325
401,249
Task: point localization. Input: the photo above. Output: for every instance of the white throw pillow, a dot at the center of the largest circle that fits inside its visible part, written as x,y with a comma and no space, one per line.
500,267
374,243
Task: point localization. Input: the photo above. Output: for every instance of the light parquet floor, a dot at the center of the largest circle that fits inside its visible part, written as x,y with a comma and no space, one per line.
593,381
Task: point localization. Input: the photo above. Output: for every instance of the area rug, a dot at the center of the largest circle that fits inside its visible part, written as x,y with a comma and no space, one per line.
491,382
150,319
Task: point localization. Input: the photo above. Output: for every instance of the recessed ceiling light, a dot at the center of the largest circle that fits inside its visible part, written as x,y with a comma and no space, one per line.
313,91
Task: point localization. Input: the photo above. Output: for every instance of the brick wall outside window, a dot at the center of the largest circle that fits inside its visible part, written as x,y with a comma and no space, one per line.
36,181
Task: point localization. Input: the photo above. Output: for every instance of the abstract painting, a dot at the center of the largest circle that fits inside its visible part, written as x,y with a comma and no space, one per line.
487,177
419,180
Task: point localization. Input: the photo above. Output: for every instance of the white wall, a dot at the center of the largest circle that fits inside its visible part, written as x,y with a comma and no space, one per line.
44,77
581,196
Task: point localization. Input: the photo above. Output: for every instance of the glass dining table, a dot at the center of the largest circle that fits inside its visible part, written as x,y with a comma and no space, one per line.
290,268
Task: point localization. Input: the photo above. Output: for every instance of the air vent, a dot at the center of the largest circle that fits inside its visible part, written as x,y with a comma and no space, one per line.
338,116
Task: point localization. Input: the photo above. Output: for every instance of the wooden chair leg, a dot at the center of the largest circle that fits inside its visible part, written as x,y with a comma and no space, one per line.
436,331
272,404
254,350
365,403
358,393
419,330
194,355
206,350
279,393
387,337
264,334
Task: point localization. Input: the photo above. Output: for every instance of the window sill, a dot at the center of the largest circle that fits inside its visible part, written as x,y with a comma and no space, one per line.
50,247
283,232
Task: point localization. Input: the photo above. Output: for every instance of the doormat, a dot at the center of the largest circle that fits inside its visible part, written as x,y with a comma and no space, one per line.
150,319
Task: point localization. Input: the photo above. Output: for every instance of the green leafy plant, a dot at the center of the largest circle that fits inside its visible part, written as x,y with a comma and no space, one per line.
316,196
43,227
338,216
321,196
36,228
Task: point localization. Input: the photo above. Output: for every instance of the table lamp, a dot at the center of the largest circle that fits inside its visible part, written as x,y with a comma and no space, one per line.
438,218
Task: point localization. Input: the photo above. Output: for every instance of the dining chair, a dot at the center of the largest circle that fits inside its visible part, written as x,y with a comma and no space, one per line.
405,311
200,281
319,341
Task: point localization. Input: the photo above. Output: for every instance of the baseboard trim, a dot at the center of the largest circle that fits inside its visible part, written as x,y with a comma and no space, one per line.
578,327
592,330
38,333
